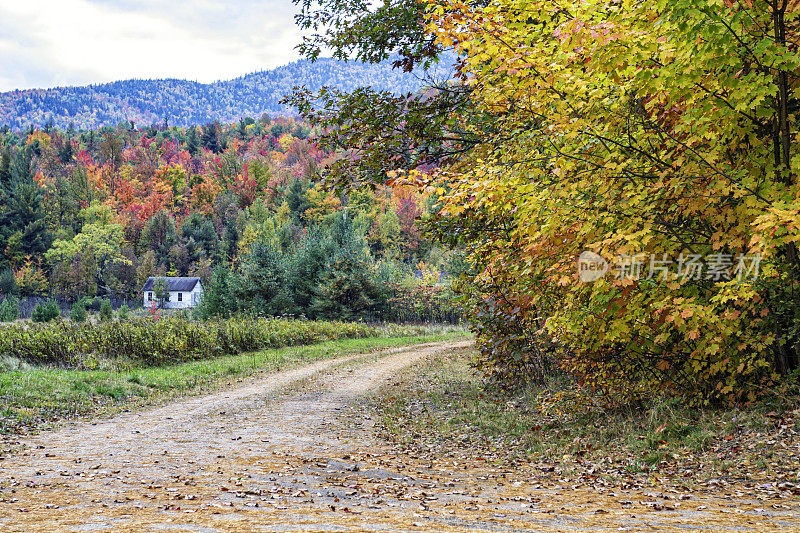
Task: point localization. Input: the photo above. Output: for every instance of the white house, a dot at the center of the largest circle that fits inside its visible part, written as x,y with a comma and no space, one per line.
183,292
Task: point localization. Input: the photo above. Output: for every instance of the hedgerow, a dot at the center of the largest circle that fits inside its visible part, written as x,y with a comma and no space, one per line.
143,341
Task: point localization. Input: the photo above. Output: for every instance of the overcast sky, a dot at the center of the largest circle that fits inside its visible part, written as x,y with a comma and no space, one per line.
47,43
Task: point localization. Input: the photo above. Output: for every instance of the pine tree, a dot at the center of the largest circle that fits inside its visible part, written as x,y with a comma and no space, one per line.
23,230
297,201
217,300
66,152
200,236
8,283
5,170
308,266
160,234
210,137
261,286
347,290
193,142
5,189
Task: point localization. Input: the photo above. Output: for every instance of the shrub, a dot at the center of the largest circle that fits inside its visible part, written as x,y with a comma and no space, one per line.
45,312
30,280
9,309
11,364
78,312
169,340
124,312
106,311
422,303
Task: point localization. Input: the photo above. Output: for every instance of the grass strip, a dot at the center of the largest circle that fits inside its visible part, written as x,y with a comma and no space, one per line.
442,404
38,396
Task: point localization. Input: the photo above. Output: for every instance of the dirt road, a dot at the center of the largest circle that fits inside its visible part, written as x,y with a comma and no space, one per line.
291,451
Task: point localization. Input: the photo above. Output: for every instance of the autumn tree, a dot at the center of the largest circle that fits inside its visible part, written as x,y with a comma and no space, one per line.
378,130
92,251
111,149
148,267
662,129
659,130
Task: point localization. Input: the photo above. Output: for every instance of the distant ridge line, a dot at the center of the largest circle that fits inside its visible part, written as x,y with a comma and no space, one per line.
186,102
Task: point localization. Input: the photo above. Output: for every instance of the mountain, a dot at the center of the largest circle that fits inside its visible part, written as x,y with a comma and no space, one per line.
184,102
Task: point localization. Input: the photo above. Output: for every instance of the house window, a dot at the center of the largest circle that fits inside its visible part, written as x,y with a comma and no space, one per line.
149,296
180,296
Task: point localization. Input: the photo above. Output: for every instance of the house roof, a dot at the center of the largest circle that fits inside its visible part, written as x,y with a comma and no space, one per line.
174,284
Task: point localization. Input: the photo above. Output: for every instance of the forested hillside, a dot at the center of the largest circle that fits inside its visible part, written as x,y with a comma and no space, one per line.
242,206
184,103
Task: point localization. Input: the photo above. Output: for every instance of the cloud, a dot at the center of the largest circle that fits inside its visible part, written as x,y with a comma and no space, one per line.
44,43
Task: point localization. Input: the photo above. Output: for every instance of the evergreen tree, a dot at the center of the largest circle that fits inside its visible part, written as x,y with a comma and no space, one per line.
217,300
23,231
230,239
91,141
200,237
308,266
5,191
66,152
193,142
9,308
211,137
5,170
261,286
46,311
106,311
297,201
347,290
160,234
78,312
67,196
8,283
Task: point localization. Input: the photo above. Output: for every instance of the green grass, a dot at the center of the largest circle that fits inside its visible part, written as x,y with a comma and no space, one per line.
35,396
